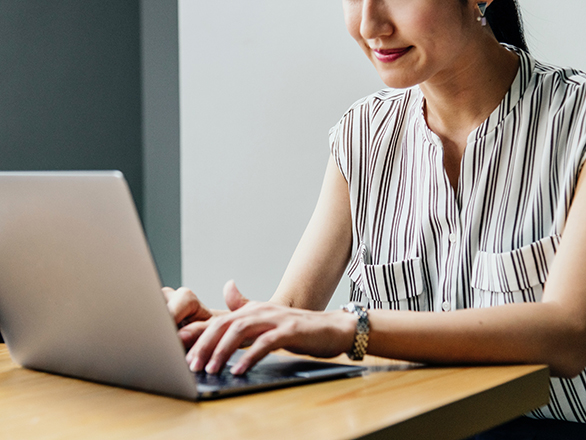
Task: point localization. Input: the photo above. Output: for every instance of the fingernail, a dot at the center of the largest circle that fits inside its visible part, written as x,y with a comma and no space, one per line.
212,367
195,365
237,369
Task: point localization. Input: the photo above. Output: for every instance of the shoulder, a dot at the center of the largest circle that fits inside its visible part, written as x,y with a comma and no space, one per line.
385,97
564,90
545,80
557,95
566,75
541,72
560,93
559,81
382,105
375,113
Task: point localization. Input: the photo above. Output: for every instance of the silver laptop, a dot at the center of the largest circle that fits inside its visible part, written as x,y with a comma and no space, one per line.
80,295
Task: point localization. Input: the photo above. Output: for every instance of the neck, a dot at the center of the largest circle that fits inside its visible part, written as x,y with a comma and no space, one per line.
458,101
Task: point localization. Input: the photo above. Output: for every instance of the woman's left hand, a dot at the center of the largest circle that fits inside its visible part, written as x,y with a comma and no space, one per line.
269,326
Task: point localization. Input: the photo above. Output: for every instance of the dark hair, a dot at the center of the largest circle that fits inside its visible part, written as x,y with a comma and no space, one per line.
504,18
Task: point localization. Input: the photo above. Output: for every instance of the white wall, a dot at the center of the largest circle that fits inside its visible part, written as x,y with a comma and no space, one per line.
555,31
261,82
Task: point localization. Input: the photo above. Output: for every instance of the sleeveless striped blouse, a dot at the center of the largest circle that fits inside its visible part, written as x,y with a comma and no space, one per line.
419,245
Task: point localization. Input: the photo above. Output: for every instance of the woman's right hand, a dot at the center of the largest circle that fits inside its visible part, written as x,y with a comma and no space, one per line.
185,307
187,310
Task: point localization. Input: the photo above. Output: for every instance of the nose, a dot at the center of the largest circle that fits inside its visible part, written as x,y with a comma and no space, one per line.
376,20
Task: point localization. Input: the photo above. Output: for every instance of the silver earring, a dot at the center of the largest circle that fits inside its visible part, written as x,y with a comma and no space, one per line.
482,9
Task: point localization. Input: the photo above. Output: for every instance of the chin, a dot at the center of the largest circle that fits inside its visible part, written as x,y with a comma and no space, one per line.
399,83
398,78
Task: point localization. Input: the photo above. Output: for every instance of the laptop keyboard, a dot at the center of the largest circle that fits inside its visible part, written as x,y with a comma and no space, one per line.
269,374
256,376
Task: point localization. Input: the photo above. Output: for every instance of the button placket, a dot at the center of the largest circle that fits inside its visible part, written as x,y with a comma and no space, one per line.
450,295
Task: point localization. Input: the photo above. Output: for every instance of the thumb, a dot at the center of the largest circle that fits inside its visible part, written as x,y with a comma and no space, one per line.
232,296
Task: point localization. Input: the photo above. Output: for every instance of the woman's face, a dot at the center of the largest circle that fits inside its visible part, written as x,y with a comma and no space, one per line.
413,41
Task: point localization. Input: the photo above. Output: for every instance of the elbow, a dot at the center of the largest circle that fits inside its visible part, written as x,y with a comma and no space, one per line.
568,359
566,370
564,341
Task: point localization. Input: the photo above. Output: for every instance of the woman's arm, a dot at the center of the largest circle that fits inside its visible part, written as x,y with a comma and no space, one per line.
552,331
313,272
324,250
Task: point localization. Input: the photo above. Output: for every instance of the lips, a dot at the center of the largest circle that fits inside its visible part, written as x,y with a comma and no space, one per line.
390,55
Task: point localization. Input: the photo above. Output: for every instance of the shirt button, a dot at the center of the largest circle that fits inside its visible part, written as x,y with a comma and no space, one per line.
452,238
446,306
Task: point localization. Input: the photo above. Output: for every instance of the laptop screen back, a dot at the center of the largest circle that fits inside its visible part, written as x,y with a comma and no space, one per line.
79,292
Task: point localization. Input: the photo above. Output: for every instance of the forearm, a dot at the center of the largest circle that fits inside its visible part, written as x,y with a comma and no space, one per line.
324,250
309,283
515,333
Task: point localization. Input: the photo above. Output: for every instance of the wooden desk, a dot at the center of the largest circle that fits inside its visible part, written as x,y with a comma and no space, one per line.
408,403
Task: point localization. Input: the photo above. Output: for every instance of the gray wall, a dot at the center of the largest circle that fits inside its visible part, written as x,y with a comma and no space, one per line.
93,84
160,86
70,94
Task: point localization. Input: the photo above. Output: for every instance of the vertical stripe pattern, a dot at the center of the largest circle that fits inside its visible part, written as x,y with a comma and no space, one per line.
420,245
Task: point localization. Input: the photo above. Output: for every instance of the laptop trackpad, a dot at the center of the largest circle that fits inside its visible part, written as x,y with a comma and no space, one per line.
289,366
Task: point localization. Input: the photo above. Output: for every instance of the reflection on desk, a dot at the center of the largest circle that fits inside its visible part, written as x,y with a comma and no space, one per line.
407,402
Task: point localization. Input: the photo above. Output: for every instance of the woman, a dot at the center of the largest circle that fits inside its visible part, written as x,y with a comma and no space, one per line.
451,192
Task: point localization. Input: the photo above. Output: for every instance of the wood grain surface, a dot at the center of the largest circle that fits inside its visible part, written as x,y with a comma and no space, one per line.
407,401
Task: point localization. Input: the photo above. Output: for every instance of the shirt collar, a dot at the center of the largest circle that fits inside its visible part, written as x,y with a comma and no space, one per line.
511,99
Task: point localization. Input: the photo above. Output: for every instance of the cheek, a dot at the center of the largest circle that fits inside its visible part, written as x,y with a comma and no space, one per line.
425,18
416,23
434,33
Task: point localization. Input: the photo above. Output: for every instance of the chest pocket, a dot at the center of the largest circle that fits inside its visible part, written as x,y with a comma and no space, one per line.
395,286
519,274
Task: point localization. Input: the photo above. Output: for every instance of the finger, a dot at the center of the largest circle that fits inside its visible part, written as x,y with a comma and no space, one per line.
264,344
167,293
241,330
191,332
179,307
184,304
202,350
232,296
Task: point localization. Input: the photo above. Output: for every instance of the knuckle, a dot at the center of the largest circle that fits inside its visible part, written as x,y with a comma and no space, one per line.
184,292
220,354
251,305
291,326
199,351
258,307
240,325
269,338
266,306
218,322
